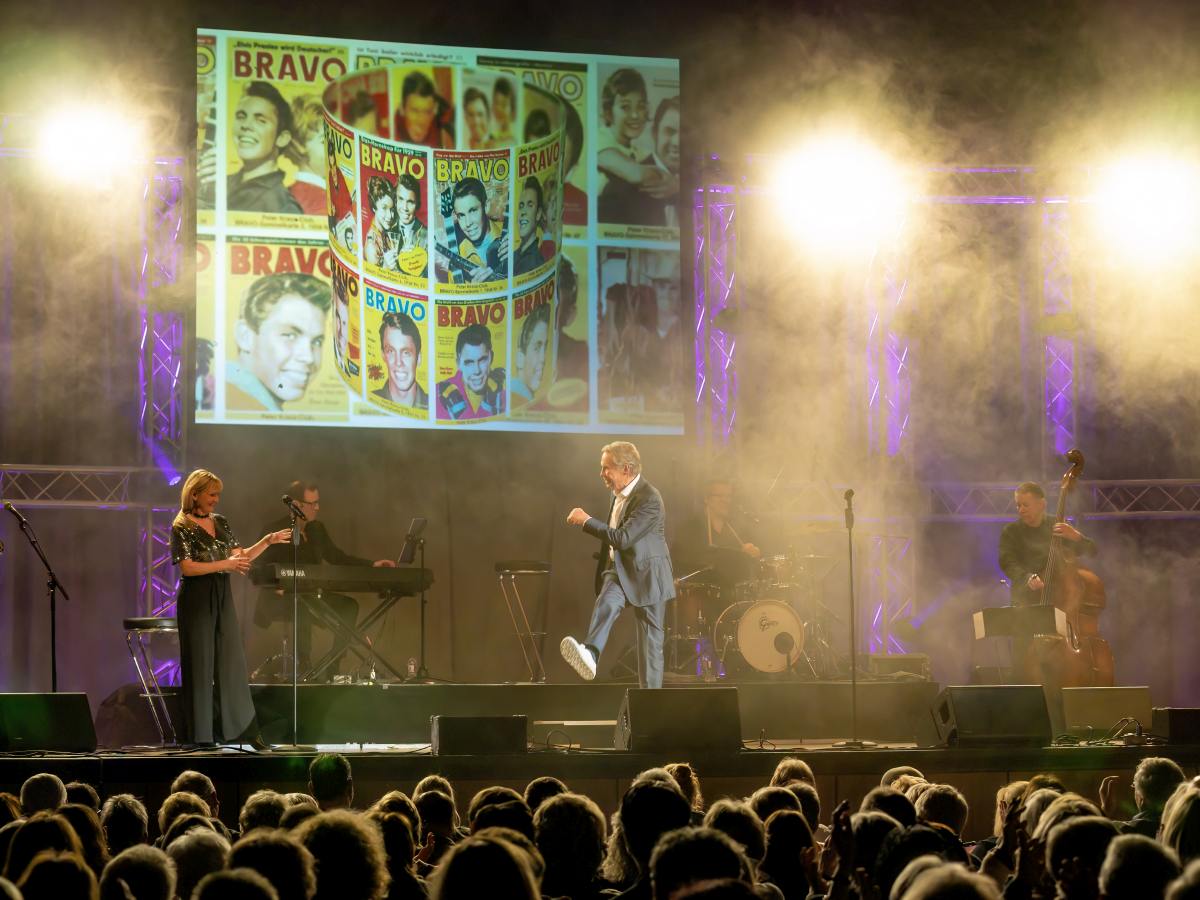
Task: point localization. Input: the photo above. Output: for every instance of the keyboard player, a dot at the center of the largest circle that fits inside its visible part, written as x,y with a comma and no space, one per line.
316,547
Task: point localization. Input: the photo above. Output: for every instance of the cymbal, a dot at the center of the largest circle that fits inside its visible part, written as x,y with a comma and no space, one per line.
811,557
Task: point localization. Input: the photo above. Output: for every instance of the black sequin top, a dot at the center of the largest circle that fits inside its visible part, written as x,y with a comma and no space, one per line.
190,541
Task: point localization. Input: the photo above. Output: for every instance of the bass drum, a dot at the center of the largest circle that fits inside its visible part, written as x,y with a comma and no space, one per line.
765,635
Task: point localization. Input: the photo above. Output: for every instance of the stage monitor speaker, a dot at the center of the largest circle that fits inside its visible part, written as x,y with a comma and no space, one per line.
1178,724
689,720
992,715
1091,712
55,722
470,735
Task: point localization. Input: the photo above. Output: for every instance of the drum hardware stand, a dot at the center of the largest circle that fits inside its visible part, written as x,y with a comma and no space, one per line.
854,743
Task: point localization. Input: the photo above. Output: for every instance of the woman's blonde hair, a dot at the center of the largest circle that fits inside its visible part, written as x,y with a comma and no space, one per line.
194,485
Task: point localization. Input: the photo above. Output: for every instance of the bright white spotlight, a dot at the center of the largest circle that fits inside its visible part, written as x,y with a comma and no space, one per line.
1147,207
840,195
90,145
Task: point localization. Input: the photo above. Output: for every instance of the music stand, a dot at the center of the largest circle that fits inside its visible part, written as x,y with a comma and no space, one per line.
414,544
295,746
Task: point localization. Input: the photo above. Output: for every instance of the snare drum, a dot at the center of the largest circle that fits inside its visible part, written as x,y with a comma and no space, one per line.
693,608
765,635
775,570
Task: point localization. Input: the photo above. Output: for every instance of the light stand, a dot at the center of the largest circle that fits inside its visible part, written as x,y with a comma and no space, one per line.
854,743
52,588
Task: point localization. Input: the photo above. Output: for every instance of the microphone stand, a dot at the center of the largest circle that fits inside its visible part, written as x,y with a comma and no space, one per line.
53,586
295,746
854,743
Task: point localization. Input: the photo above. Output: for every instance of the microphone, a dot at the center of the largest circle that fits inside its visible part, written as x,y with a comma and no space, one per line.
296,511
849,511
849,495
12,509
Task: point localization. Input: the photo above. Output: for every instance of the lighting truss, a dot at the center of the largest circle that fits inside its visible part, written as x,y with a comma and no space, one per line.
88,487
714,275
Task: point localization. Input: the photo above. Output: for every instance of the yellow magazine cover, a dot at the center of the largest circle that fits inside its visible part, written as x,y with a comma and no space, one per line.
278,305
347,325
395,213
471,232
397,344
276,152
205,394
472,342
537,191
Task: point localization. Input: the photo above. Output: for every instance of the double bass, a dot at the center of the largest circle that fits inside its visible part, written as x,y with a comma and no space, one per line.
1078,657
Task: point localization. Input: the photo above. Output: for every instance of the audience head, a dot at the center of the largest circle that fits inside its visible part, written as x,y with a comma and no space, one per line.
126,822
688,782
196,854
767,800
1075,852
870,829
1181,823
943,804
183,825
916,789
1034,805
10,808
43,792
896,771
348,853
484,865
1005,797
57,875
904,846
537,865
1044,780
398,844
262,809
649,809
793,768
234,884
435,783
569,831
738,821
810,801
299,798
1062,808
542,789
1136,866
788,838
280,859
86,824
41,831
83,793
437,814
903,782
689,855
910,873
951,881
178,804
330,782
199,784
399,802
891,801
1154,781
1187,885
295,814
717,889
489,796
145,873
513,814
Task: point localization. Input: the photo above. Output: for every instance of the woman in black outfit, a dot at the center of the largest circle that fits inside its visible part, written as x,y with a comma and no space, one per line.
216,692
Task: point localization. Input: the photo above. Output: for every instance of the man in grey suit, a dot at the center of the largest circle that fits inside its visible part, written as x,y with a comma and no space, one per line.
634,566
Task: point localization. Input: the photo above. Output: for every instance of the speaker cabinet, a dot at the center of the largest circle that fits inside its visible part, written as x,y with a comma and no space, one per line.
691,720
471,735
992,716
1178,724
58,722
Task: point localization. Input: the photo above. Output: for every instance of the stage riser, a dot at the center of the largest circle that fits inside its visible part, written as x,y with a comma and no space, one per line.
887,711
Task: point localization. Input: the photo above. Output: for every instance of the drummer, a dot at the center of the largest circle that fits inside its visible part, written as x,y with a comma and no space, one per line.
712,540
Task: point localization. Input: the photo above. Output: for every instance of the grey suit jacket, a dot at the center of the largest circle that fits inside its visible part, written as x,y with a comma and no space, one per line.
642,560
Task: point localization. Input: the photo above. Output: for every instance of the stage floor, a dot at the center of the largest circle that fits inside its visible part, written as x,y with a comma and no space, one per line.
384,729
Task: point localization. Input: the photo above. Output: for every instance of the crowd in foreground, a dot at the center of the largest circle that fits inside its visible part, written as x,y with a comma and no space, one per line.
905,841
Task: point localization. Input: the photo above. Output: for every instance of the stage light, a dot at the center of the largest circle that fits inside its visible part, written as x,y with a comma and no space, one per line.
838,194
90,145
1147,208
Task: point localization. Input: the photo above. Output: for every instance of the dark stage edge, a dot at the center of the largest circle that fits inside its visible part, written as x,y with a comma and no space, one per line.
779,711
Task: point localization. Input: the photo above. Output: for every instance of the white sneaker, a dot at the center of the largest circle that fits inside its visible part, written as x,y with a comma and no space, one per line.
578,657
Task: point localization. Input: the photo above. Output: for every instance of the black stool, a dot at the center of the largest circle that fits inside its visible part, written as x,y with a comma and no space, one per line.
137,631
508,570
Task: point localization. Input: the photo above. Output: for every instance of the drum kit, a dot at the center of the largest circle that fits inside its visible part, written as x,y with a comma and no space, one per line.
772,624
